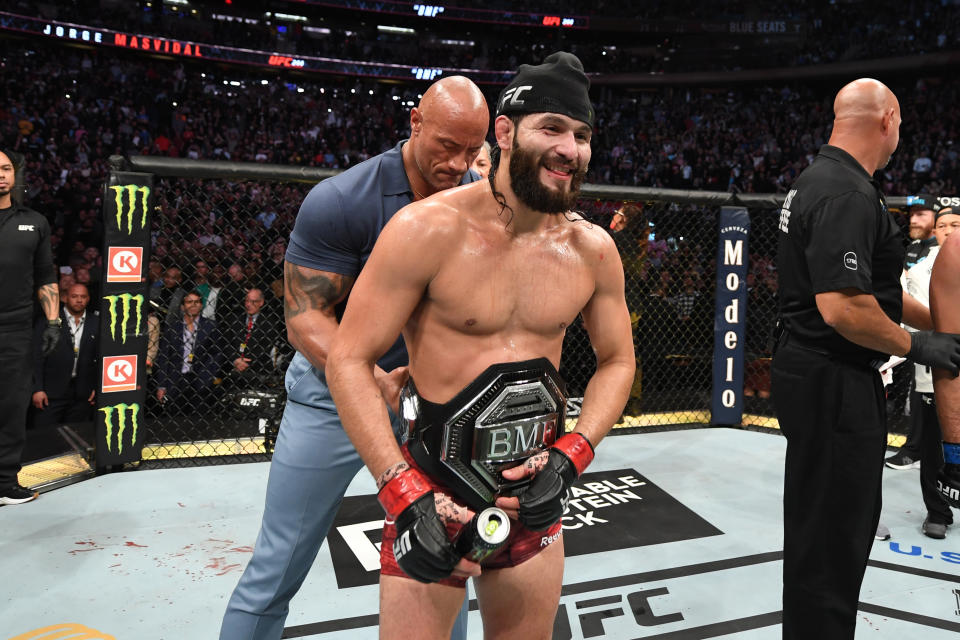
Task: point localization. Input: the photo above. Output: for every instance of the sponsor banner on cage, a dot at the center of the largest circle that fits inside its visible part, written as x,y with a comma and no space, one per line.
608,510
119,373
730,316
124,264
124,310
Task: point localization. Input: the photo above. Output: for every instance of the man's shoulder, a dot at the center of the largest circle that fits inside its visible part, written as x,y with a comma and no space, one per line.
23,215
587,232
434,217
361,179
358,190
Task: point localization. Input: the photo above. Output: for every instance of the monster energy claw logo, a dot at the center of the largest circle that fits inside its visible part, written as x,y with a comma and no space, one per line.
121,413
124,299
130,208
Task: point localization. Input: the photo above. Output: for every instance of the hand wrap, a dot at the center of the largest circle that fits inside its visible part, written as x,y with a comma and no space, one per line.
543,501
422,548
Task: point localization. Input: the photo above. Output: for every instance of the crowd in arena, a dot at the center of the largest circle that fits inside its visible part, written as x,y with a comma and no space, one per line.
829,32
68,110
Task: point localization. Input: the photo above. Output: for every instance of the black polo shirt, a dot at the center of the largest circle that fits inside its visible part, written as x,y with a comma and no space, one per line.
26,263
836,233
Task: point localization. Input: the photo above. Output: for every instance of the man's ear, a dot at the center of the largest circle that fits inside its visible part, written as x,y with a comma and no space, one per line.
416,122
504,131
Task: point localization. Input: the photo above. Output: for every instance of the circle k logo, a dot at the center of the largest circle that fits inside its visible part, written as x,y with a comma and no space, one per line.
119,373
124,264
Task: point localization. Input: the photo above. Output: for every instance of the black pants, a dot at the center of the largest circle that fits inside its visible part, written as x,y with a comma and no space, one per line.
833,414
926,423
71,407
16,375
911,446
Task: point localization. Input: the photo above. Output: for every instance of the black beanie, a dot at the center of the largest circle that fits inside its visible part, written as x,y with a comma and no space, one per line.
559,85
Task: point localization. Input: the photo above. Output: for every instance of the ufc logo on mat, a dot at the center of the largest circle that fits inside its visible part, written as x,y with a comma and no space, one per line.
70,630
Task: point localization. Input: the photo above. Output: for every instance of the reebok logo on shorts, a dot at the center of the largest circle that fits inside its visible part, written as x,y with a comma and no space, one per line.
548,540
850,260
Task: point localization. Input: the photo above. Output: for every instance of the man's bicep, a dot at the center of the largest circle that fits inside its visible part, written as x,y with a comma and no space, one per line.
945,287
840,241
387,291
306,289
606,316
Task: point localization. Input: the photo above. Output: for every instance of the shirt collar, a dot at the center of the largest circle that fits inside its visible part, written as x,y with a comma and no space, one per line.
844,158
395,180
394,177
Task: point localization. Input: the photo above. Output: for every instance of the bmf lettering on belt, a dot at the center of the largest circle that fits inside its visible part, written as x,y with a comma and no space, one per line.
515,440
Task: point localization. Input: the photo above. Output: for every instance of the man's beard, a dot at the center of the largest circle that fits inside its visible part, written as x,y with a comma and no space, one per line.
525,181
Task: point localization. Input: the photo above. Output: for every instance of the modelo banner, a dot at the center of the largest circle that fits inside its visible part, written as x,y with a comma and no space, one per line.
730,317
124,304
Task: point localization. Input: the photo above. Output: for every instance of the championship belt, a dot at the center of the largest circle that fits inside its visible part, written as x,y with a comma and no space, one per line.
510,412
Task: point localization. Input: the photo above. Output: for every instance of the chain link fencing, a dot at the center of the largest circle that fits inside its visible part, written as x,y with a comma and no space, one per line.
218,349
222,240
668,248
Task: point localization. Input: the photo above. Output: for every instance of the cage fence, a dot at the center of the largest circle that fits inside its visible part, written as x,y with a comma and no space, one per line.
218,238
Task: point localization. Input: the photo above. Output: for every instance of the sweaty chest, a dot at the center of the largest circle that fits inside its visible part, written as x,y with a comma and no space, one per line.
487,287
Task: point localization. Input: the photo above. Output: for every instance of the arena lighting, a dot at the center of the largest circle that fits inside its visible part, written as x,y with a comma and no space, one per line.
288,16
226,18
215,53
320,30
390,29
472,14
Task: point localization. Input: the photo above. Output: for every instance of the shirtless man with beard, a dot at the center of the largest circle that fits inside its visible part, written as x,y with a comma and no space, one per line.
945,310
482,281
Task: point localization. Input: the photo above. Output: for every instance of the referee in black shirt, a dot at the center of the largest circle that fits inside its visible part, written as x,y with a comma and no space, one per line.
839,260
26,270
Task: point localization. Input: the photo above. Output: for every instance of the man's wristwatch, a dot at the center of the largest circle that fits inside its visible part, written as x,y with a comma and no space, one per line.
55,323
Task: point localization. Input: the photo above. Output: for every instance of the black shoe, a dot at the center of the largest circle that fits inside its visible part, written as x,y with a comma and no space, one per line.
883,533
902,461
17,495
936,530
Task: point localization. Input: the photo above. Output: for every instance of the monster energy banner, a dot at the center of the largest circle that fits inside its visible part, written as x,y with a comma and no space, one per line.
124,306
730,320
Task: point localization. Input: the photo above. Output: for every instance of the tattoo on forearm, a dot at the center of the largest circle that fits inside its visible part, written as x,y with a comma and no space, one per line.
49,298
448,510
536,462
391,473
306,289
